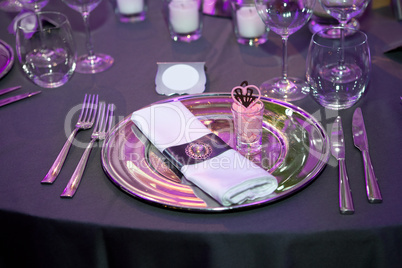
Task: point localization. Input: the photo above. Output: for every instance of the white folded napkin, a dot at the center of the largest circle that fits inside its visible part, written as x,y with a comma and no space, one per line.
29,22
228,177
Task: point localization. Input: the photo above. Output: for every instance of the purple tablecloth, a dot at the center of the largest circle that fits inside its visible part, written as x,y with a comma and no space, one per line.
104,227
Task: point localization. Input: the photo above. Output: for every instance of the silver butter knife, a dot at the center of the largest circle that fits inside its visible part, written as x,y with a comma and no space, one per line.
17,98
6,90
338,151
360,140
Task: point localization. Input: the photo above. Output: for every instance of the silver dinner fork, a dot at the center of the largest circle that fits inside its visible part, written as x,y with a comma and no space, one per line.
102,127
85,121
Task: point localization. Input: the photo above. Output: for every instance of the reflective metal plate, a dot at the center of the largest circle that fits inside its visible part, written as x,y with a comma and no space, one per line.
295,150
6,58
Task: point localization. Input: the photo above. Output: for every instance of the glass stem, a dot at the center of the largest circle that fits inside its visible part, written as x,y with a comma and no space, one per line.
341,64
90,47
40,26
285,58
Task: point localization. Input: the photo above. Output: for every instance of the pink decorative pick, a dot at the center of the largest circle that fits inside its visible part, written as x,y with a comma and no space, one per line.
243,95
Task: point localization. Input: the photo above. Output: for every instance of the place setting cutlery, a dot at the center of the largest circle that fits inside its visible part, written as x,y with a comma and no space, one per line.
92,113
102,126
360,140
10,89
85,121
17,97
338,151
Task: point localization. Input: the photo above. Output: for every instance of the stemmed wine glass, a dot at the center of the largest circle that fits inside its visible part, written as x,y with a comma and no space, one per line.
91,62
343,11
285,17
322,20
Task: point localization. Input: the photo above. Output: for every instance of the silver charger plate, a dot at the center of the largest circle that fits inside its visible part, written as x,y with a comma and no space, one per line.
6,58
295,149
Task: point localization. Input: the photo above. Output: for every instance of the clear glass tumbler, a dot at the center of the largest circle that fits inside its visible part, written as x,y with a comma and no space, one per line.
46,48
327,56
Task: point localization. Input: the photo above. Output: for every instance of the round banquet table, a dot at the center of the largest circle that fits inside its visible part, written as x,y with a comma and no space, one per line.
102,226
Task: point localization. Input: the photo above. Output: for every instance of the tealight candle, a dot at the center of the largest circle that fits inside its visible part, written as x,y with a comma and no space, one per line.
130,6
249,23
184,16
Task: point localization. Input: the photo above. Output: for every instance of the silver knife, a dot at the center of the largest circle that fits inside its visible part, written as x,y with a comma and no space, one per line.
338,151
17,98
6,90
360,140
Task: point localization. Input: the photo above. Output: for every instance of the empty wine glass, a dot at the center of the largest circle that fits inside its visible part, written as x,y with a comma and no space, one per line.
91,62
285,17
322,20
323,55
343,11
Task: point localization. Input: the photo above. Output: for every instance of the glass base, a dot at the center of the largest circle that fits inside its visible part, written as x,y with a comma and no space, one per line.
131,18
288,90
186,37
249,149
95,64
336,100
49,68
52,80
329,31
256,41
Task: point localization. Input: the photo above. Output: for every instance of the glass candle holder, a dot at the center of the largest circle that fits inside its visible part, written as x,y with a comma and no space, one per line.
247,24
184,19
131,10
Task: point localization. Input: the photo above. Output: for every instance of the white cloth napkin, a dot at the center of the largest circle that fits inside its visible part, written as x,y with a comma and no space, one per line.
229,177
29,21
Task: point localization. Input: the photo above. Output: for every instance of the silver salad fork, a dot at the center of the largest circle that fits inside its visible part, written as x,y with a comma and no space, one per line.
85,121
102,127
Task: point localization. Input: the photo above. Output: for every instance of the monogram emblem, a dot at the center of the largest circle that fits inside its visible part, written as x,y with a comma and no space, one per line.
198,150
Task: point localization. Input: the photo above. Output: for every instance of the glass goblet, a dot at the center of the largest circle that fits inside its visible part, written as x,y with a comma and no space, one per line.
343,11
323,54
91,62
322,20
47,53
285,17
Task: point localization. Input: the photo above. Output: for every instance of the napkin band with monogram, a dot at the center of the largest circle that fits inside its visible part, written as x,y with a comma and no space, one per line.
197,151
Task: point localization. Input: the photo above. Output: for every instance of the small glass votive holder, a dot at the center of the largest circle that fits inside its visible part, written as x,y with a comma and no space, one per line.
248,127
184,19
131,10
247,24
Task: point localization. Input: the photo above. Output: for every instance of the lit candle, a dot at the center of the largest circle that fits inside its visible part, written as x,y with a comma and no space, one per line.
130,6
249,23
184,16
